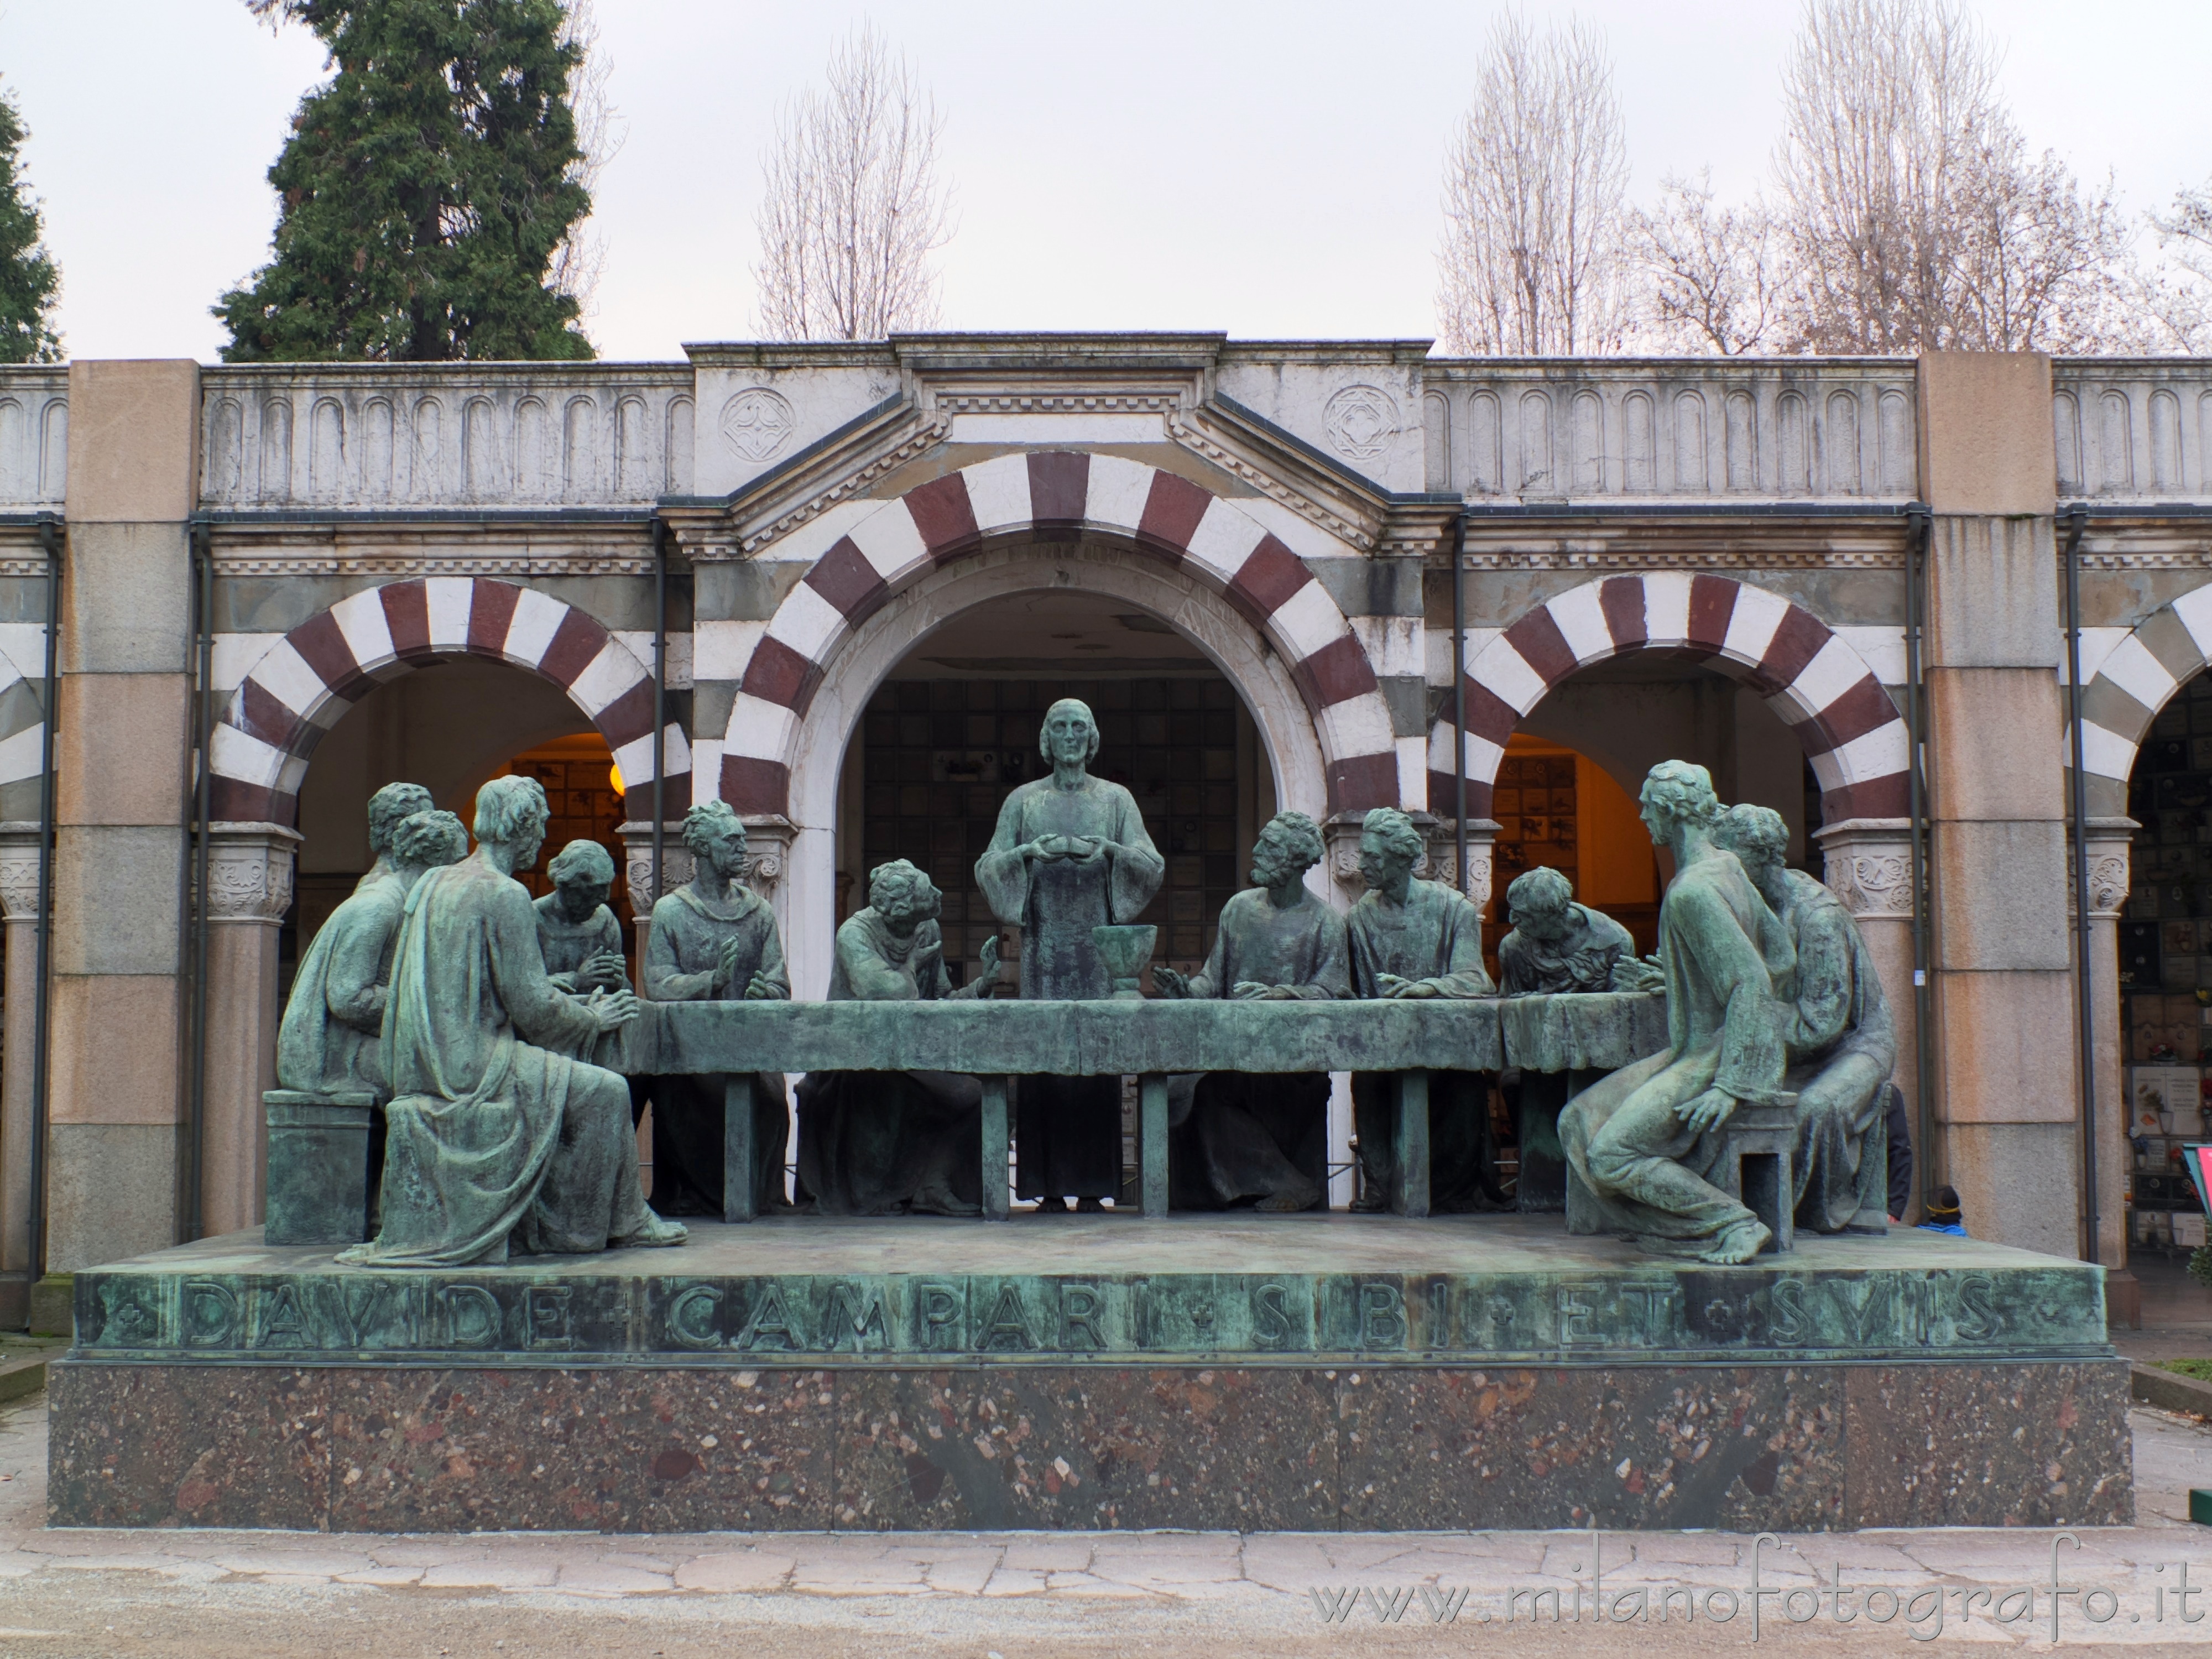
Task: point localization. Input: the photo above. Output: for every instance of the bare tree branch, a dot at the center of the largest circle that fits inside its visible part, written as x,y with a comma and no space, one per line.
854,205
580,260
1914,216
1720,278
1533,224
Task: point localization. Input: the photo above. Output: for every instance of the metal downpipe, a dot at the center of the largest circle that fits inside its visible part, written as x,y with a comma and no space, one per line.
192,1218
1920,523
2085,1000
1459,690
659,703
50,541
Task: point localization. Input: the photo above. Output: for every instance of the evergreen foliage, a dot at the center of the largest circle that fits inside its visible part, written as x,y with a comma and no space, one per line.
424,190
30,281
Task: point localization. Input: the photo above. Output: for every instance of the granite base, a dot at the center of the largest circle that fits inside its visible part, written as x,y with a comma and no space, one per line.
1299,1373
380,1449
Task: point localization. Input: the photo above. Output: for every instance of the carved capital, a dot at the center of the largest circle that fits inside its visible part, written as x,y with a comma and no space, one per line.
677,864
19,870
1868,864
250,871
769,837
1439,860
2110,840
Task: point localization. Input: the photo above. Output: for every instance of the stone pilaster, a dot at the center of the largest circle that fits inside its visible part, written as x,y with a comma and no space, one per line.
249,889
19,895
2110,841
2004,1002
121,734
1868,864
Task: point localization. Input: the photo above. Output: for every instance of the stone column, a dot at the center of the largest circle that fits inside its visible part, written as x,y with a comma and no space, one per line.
249,889
675,865
19,893
2004,1000
119,758
2110,840
1868,864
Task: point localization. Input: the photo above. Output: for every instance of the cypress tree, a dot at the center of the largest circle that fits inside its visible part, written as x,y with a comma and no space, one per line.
30,281
423,189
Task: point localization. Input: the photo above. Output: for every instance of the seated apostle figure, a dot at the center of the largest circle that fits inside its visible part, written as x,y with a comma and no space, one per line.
1643,1142
1841,1041
329,1040
1557,946
388,808
1250,1137
1417,939
579,933
885,1143
714,940
499,1140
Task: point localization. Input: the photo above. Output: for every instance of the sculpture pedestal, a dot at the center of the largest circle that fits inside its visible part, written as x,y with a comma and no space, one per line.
1300,1372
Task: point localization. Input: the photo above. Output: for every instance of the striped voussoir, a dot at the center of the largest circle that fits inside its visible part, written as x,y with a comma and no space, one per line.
2165,649
306,681
1821,688
1061,496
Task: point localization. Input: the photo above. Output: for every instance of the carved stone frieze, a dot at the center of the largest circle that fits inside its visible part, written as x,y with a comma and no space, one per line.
19,871
1868,864
250,871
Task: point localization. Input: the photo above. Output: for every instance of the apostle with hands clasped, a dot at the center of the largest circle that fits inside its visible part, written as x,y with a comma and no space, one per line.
714,940
1417,939
1070,854
1250,1136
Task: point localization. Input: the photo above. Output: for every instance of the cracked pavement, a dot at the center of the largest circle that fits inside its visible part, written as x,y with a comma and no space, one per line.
205,1594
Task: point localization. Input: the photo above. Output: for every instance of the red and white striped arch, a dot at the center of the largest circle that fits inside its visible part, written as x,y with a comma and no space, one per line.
305,683
1821,688
1059,496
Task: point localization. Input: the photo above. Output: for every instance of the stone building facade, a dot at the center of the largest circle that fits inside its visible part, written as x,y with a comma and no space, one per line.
382,571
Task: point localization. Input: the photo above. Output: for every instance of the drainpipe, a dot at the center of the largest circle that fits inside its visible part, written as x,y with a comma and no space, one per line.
50,541
202,702
2085,1006
660,692
1919,520
1459,689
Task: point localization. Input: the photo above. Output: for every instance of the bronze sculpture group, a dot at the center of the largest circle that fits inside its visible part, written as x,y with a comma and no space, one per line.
488,1026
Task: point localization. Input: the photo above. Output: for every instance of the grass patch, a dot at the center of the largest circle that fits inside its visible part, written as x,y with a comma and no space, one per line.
2199,1369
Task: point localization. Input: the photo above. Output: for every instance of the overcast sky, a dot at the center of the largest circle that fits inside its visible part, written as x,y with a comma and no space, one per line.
1268,168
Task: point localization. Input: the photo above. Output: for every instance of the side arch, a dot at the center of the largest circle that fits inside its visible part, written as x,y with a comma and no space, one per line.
2123,697
22,735
304,684
1822,688
1063,496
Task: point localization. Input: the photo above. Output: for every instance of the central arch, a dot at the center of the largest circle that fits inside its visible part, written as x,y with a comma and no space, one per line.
1268,685
1055,497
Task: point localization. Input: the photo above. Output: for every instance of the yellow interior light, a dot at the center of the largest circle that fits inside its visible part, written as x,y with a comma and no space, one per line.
614,779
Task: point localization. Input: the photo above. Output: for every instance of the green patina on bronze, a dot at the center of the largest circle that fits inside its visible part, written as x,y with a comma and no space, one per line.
1312,1289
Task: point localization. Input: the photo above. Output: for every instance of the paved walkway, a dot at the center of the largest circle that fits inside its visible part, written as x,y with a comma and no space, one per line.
223,1592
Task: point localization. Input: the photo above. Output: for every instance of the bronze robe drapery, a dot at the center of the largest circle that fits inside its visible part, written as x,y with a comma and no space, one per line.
1068,1130
1437,934
1636,1168
1247,1135
879,1143
1842,1048
680,959
496,1135
329,1039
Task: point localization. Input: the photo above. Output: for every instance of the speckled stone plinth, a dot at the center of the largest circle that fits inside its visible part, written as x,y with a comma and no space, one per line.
405,1450
1300,1373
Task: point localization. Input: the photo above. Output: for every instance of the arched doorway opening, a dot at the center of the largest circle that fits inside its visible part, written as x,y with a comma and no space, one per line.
451,727
2165,985
1099,585
953,727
